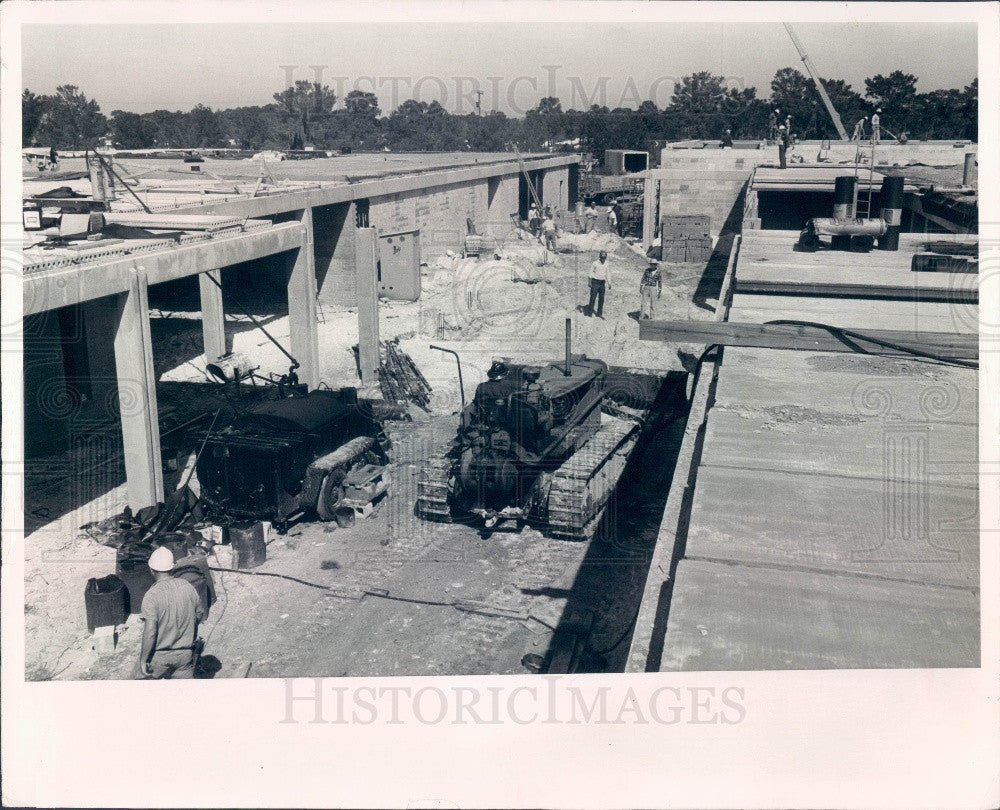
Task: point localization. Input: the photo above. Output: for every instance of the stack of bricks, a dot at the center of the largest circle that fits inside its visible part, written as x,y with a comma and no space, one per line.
685,238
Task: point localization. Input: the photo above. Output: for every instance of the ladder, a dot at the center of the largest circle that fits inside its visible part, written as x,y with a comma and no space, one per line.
863,209
527,178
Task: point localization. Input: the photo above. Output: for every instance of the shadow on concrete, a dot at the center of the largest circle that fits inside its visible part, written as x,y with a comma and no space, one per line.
710,283
602,604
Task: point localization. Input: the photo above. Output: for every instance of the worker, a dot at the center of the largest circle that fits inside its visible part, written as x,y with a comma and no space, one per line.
590,217
859,130
548,210
727,139
549,232
782,146
171,611
534,219
619,217
772,125
600,283
788,123
876,126
651,282
612,220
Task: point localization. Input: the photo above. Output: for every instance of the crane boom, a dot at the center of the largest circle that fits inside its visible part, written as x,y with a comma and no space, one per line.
819,84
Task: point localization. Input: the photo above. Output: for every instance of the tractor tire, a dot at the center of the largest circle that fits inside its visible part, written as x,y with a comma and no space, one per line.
330,494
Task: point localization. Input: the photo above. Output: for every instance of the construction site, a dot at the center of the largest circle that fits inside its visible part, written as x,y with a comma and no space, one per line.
368,403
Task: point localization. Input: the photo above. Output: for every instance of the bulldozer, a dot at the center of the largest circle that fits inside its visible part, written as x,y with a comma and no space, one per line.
532,447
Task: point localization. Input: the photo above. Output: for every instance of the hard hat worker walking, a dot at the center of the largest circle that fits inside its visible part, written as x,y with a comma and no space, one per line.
171,611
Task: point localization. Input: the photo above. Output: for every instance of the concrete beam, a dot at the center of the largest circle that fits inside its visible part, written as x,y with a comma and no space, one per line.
302,327
271,204
50,289
213,315
137,396
366,274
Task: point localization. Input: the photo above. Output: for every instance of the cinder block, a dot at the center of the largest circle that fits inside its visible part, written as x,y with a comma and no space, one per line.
105,639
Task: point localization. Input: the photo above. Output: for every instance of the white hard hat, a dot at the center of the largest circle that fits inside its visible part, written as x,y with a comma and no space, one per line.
161,560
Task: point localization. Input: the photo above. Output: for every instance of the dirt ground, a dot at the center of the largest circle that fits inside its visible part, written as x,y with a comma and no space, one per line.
264,626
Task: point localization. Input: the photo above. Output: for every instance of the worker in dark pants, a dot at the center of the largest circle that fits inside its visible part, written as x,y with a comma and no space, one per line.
171,610
782,146
619,218
600,282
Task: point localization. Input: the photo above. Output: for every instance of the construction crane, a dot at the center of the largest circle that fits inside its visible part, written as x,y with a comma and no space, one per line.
819,84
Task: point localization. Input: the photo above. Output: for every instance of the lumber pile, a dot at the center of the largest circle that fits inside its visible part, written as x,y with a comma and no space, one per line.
400,379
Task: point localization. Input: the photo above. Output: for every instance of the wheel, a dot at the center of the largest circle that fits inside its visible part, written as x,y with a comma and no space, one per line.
330,495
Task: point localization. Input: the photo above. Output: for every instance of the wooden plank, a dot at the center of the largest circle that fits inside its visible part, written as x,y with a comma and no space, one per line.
874,260
894,388
850,525
816,440
806,338
887,285
859,314
726,617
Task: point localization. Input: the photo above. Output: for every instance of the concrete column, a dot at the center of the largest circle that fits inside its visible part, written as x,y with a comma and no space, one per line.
366,275
335,255
650,188
137,396
213,315
302,328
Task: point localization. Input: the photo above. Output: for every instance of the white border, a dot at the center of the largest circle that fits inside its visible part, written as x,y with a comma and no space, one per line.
907,739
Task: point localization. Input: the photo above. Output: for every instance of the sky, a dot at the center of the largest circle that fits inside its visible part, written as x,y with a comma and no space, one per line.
145,67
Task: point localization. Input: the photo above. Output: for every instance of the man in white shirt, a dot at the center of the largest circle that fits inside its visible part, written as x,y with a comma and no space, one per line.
549,232
600,282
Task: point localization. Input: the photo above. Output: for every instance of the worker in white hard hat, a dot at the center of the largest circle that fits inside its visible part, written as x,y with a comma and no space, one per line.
783,141
859,130
876,125
171,611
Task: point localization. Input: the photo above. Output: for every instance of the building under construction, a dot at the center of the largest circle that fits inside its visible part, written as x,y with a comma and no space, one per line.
786,451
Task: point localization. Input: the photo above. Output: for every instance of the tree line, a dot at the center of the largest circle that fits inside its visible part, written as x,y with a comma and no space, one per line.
702,107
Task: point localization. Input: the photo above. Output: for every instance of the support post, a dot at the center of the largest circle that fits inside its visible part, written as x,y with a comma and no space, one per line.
650,188
366,276
137,396
302,327
969,169
213,315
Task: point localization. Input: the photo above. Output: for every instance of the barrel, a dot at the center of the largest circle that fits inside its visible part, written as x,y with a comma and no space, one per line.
132,568
843,208
247,540
106,601
892,212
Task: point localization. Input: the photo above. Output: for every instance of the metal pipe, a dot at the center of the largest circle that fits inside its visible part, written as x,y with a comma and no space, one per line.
892,212
843,208
848,227
458,360
569,357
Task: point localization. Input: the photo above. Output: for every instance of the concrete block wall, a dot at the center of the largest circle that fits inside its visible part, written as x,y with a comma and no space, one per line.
555,188
502,204
334,228
440,214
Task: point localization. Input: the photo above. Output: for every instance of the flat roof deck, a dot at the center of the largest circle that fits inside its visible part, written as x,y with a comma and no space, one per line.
832,505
